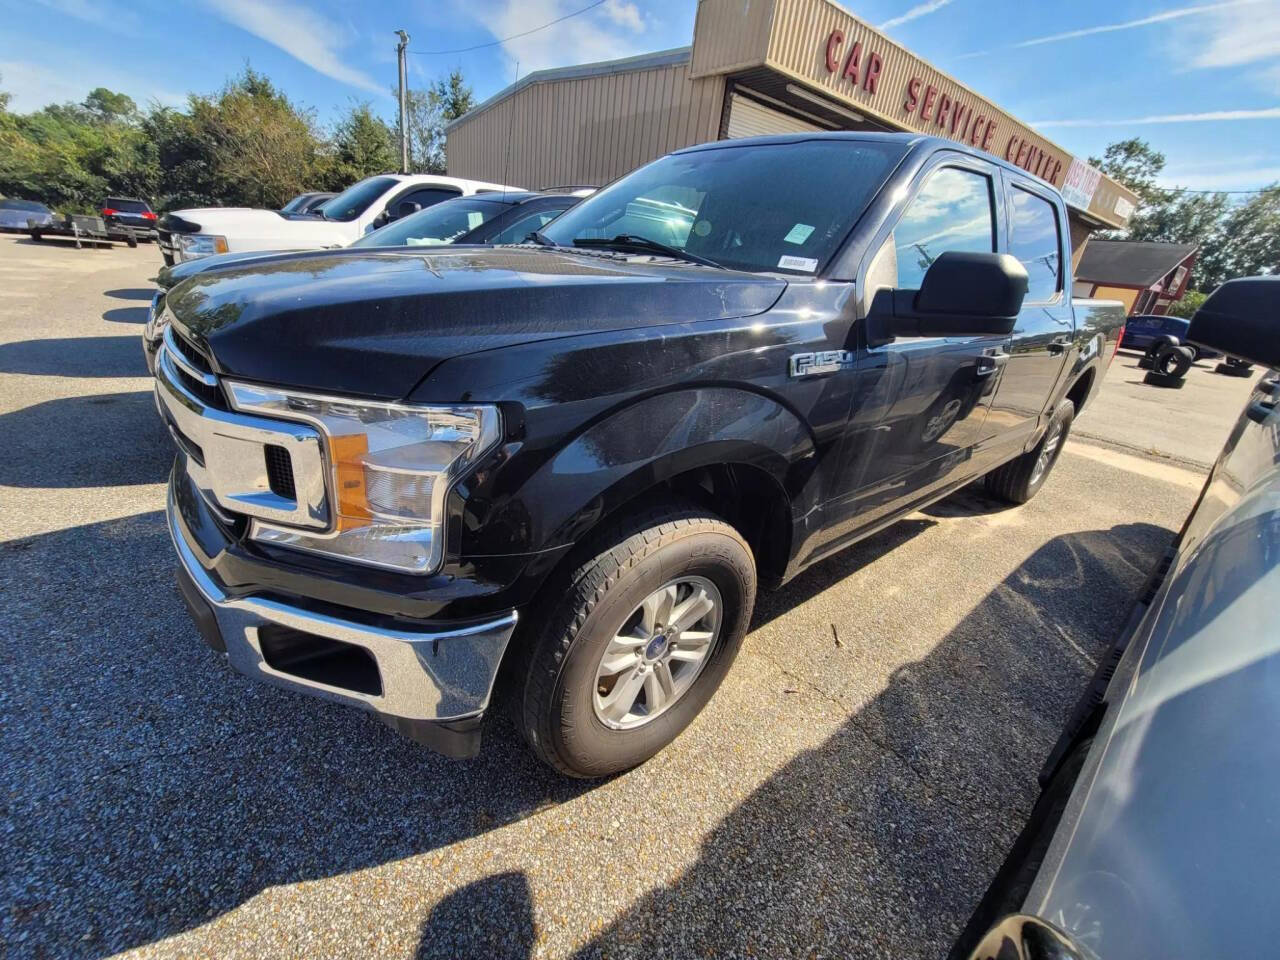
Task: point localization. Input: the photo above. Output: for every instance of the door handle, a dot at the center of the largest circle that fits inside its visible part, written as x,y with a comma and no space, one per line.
990,362
1059,344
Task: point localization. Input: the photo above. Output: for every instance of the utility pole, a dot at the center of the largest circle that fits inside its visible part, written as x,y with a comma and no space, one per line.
404,102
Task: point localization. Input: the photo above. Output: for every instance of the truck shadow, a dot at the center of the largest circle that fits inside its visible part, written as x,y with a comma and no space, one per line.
98,440
76,357
883,838
126,315
150,790
131,293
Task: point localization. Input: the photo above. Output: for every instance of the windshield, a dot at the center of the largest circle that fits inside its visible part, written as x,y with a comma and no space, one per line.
438,224
764,207
355,200
23,205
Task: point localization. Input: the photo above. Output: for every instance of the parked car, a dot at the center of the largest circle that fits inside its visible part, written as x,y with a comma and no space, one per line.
124,215
497,218
1143,330
306,202
18,216
1156,834
360,209
573,462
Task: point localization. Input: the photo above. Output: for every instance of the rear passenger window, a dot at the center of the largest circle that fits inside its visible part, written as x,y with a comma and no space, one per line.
951,212
1033,239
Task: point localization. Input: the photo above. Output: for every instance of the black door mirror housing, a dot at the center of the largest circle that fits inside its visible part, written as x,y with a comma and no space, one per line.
1241,319
406,207
962,294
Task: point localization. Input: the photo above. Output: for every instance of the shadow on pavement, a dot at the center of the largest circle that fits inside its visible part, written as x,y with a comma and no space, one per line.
882,840
126,315
131,293
100,440
75,357
149,789
491,918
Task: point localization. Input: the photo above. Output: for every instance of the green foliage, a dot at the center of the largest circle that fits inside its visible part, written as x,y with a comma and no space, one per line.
362,145
245,145
430,111
1235,240
1188,305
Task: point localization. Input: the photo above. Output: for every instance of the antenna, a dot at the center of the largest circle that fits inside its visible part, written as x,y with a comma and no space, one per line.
511,120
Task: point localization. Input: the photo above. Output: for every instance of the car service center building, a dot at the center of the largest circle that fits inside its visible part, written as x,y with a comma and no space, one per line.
755,67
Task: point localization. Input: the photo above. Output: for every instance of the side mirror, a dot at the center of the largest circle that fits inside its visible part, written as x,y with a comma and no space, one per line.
962,294
1241,319
406,207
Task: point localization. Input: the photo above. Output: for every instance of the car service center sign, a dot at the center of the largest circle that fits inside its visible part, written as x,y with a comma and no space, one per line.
926,105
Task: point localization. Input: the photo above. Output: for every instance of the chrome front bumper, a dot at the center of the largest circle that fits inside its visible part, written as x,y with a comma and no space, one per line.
427,679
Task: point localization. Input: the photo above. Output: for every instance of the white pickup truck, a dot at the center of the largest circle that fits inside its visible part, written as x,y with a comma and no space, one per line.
362,207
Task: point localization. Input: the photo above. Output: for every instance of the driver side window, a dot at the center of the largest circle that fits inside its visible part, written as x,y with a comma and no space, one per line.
952,212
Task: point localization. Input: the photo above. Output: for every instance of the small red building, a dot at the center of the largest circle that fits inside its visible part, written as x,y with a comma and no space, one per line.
1145,275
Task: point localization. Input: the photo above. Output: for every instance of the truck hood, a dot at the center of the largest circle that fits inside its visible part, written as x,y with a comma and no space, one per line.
374,323
243,223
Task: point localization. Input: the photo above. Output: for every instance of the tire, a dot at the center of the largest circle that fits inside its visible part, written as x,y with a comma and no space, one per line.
1171,365
1018,480
132,242
168,259
562,697
36,236
1234,368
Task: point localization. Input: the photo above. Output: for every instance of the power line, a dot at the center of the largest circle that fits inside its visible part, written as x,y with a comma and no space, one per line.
1190,190
514,36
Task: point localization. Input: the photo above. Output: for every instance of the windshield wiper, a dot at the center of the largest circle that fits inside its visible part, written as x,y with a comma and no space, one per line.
540,238
634,242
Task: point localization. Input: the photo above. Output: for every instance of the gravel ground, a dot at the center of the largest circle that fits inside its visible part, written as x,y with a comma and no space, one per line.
848,793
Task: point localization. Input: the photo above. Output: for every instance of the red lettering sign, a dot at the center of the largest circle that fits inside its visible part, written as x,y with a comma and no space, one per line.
874,65
913,95
833,45
926,110
852,63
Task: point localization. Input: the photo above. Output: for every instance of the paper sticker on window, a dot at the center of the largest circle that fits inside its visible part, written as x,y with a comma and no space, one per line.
799,233
798,263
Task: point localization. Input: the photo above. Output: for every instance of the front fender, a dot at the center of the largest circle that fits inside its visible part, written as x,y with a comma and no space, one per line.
633,449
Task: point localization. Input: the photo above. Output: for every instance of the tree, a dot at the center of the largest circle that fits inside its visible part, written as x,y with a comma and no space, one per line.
430,111
108,105
1186,307
362,145
1250,236
263,146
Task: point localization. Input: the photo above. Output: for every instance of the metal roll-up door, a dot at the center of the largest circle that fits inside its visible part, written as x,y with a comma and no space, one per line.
750,119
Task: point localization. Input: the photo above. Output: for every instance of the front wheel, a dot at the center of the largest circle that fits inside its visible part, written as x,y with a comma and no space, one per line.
645,631
1019,480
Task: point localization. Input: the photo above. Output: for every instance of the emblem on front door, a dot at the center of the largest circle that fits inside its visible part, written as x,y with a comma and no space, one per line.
822,361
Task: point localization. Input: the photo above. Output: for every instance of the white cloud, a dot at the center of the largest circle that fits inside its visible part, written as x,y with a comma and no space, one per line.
99,14
1249,178
915,13
1267,113
301,33
1162,17
33,85
613,30
1234,37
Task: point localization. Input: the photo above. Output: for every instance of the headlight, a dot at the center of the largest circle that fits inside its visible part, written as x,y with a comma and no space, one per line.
390,467
192,246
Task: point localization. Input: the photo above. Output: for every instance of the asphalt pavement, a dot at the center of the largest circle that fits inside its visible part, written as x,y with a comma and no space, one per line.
849,792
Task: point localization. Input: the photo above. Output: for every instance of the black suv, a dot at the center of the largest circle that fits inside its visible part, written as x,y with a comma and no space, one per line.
127,212
561,470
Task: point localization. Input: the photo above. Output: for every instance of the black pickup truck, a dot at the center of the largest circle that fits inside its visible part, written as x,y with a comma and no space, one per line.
554,474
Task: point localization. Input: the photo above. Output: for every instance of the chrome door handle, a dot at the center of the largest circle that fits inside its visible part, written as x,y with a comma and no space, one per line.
989,363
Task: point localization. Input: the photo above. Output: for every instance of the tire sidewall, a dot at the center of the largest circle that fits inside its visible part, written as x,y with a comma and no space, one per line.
1064,415
583,739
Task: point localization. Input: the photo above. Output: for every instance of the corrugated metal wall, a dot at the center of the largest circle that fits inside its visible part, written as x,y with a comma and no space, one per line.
586,130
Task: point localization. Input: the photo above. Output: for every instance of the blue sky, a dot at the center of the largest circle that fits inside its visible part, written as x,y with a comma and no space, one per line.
1199,79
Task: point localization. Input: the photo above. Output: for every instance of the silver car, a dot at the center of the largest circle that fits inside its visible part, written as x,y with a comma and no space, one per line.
1158,830
15,214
